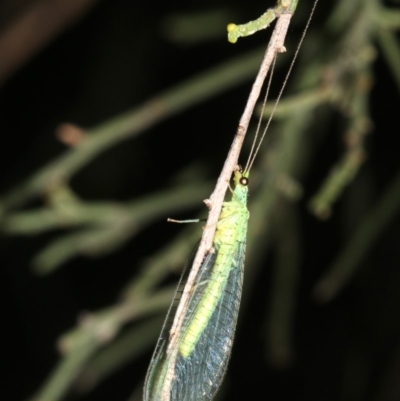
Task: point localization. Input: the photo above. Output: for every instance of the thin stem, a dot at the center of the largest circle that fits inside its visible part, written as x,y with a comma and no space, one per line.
66,372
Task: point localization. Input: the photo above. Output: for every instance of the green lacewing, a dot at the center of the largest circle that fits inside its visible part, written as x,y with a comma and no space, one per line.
192,366
191,357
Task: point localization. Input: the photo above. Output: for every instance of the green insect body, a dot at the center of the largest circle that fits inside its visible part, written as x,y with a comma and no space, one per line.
193,368
231,230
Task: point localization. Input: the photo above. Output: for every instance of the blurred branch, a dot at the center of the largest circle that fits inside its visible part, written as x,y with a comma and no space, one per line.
132,123
388,18
95,331
342,15
65,373
138,212
103,226
341,175
350,67
33,30
171,258
305,100
102,326
129,345
357,247
355,80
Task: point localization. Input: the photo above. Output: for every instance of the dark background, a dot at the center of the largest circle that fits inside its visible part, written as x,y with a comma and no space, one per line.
113,56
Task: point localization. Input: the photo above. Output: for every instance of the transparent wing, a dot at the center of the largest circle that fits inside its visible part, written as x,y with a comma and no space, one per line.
199,376
158,364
